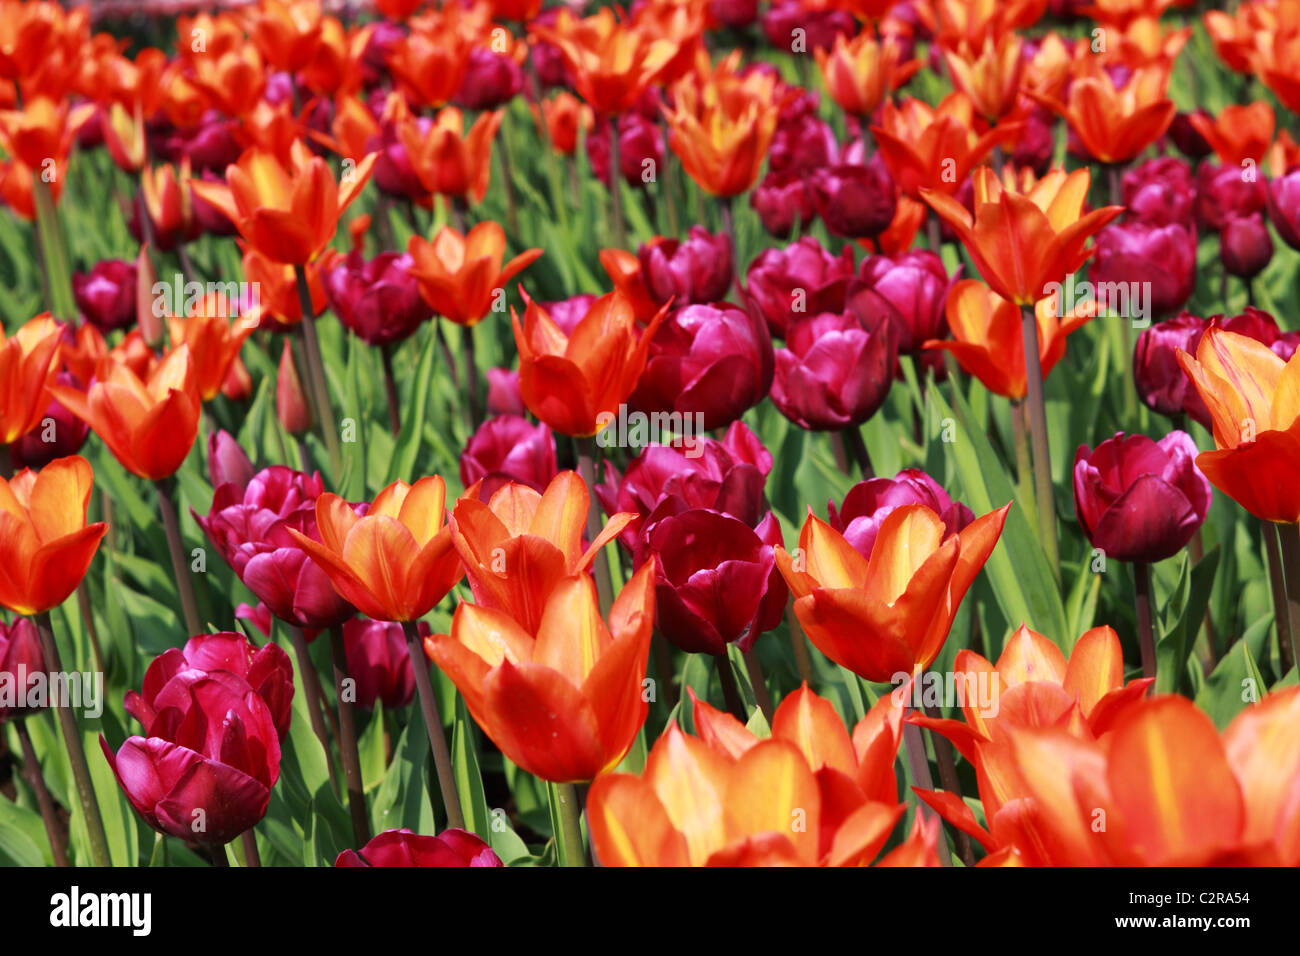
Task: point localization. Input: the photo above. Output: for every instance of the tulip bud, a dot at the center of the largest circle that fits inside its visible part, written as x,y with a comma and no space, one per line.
106,295
1187,137
503,392
228,463
491,80
1245,245
1140,500
696,270
147,317
1284,206
452,847
781,200
508,448
290,401
1164,256
238,384
21,662
379,662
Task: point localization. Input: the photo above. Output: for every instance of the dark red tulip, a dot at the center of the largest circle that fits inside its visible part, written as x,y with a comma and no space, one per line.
374,58
787,284
503,391
379,662
452,847
106,295
394,174
1138,252
1036,144
1284,206
869,502
855,201
1187,137
378,299
210,146
20,662
835,371
205,769
1137,499
508,448
803,142
714,361
491,80
1160,191
782,200
691,271
1245,245
250,527
734,13
59,434
1226,191
1160,380
716,581
912,289
640,150
818,28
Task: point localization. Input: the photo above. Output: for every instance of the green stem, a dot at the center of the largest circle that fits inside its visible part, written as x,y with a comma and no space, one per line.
730,690
317,382
564,802
1024,466
947,760
176,547
348,740
919,763
49,813
1290,541
586,452
311,688
1142,605
433,724
1037,414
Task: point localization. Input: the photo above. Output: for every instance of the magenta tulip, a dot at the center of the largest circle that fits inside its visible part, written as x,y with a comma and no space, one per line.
452,847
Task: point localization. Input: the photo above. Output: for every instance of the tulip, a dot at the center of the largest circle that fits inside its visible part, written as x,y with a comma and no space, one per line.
1159,378
452,847
563,702
911,288
564,114
575,383
1240,132
1245,387
379,300
430,64
503,392
709,361
859,73
1160,192
106,295
491,80
21,666
59,434
205,769
149,423
286,32
721,141
40,134
889,612
803,141
212,341
933,148
989,74
781,283
820,26
855,201
1036,144
869,502
396,562
1163,256
567,313
1187,138
696,270
26,370
520,545
640,150
726,798
509,448
1116,122
449,161
1223,192
461,277
1245,245
780,200
1140,500
291,405
835,371
286,211
379,664
227,461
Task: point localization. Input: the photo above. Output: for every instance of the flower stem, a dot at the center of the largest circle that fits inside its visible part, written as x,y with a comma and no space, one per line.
1024,465
951,782
471,375
317,382
1037,415
730,690
920,766
1289,539
180,568
311,688
76,751
49,813
758,682
858,449
348,739
1142,604
586,453
251,856
433,724
564,803
390,390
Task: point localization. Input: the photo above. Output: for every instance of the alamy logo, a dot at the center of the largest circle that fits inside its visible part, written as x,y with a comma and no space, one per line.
76,909
637,429
20,690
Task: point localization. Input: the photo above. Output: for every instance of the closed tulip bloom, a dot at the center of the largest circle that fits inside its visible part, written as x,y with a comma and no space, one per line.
721,140
1164,256
291,406
989,74
378,300
564,114
855,201
563,702
860,72
1284,207
288,212
1137,499
1116,122
911,287
780,283
395,563
695,270
205,768
1160,191
781,200
106,294
1245,245
835,370
519,545
27,368
1222,193
22,665
149,423
576,382
640,149
451,847
1022,242
1159,378
726,797
713,361
1255,415
503,392
461,276
509,448
870,502
227,461
890,612
287,32
379,662
448,160
491,80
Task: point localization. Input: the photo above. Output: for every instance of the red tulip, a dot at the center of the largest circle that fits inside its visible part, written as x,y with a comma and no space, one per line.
452,847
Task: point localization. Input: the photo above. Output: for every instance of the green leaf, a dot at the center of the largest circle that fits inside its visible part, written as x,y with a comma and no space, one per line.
408,442
1173,650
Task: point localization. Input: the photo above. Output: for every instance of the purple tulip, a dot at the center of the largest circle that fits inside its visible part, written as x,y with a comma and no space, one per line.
503,391
820,27
1187,137
1245,245
21,661
1284,206
869,502
781,200
787,284
379,663
1160,191
106,294
1226,191
508,448
1165,256
640,149
912,289
227,461
491,80
378,300
59,434
855,201
694,271
835,371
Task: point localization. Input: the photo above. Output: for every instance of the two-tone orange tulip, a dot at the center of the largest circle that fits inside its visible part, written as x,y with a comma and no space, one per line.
446,159
564,702
575,383
27,366
460,275
1114,124
988,73
518,546
45,544
1254,402
288,213
624,271
286,32
149,423
214,343
41,133
988,336
233,81
564,114
1025,242
1239,132
429,63
927,147
809,795
888,614
278,302
395,563
859,73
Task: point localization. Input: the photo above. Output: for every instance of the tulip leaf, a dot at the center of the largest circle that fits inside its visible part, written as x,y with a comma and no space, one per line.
1183,618
1235,683
17,848
465,768
370,747
408,441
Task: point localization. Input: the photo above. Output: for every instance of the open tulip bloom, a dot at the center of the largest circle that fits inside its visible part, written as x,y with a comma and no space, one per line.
506,434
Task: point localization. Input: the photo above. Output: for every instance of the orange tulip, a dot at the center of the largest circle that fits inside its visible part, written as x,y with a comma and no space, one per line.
124,137
168,199
565,702
213,342
934,148
888,614
286,32
564,114
988,73
570,382
27,366
1115,124
1254,402
1023,243
429,64
40,135
861,72
149,423
395,563
988,338
624,271
1238,133
447,160
45,544
278,303
973,21
336,67
288,213
233,81
518,546
809,795
354,126
462,276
